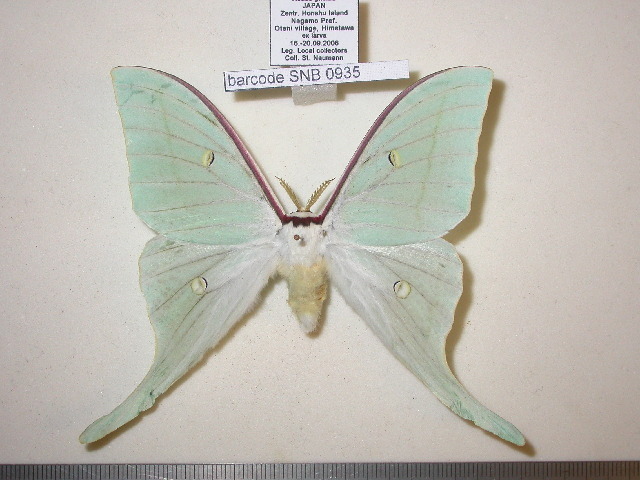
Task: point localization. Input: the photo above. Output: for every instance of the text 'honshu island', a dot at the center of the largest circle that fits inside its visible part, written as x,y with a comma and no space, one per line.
313,21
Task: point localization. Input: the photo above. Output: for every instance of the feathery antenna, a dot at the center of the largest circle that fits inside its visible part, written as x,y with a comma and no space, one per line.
291,193
314,197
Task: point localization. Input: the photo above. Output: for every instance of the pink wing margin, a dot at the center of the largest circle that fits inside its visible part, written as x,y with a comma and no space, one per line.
363,144
251,163
255,169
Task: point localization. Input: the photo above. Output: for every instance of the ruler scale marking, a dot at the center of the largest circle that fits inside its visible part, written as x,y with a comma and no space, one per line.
568,470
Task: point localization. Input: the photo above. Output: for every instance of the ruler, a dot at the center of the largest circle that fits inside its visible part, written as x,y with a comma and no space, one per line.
596,470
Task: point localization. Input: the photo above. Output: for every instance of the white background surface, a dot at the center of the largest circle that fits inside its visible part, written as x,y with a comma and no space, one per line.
547,330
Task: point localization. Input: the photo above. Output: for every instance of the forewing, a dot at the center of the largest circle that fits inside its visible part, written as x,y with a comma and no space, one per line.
195,294
191,177
412,177
408,295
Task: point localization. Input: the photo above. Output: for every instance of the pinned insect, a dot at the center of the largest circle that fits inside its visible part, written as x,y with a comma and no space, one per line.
222,233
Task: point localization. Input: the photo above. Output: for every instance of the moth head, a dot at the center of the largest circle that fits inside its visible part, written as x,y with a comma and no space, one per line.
302,242
315,196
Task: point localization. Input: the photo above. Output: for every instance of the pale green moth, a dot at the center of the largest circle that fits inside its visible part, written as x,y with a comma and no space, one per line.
222,233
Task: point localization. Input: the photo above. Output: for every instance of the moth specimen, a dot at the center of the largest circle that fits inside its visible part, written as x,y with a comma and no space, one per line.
222,234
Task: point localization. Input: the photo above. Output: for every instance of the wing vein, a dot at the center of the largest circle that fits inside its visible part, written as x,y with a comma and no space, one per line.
208,170
386,294
351,226
424,99
410,205
382,180
422,120
202,227
447,183
164,93
184,122
413,267
147,255
185,207
191,262
168,134
435,134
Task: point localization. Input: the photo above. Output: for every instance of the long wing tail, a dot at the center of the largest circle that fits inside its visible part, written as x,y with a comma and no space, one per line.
407,295
195,294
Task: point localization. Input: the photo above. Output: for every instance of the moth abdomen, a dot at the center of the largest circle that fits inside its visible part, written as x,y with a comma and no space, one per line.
307,291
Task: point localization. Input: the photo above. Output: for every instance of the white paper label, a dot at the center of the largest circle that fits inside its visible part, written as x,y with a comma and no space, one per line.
316,74
314,33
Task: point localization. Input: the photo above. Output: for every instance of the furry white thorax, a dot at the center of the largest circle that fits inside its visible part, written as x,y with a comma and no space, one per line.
303,266
301,245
